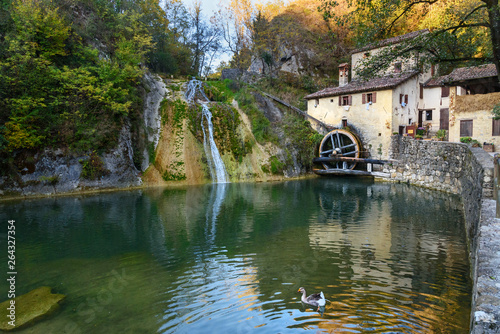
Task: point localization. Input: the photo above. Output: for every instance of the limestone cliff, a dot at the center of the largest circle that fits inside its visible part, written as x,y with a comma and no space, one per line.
180,156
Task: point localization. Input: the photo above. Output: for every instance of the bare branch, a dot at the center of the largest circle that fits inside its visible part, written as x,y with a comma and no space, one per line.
410,6
469,15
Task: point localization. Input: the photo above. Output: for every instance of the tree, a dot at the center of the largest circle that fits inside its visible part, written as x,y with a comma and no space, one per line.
204,39
462,32
234,22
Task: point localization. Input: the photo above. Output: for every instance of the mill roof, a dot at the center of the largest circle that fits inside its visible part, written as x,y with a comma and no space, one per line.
474,72
392,40
464,74
359,86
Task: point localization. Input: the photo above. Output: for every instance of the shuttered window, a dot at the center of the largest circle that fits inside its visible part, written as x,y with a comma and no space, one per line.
496,127
466,128
345,100
403,98
445,91
369,97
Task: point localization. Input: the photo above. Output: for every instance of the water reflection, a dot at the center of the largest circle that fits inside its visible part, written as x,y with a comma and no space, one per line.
230,257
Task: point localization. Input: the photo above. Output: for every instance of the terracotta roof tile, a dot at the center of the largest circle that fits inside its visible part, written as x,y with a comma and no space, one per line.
436,82
392,40
464,73
475,72
381,83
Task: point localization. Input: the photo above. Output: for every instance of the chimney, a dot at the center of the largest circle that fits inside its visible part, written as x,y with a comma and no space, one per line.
343,74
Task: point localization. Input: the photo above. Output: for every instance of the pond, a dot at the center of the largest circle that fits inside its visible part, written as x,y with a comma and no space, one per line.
390,258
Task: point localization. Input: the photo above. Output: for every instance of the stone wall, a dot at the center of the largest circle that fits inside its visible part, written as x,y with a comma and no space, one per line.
445,166
451,167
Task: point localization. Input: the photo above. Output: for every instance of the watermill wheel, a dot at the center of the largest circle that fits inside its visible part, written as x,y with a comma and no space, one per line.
339,143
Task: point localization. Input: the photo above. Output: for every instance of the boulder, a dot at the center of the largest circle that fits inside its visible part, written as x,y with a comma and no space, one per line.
30,308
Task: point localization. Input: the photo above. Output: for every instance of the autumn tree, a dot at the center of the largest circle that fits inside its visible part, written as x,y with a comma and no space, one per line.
235,23
461,32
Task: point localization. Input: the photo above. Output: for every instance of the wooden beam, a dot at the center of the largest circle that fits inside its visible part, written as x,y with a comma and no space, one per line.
347,159
354,172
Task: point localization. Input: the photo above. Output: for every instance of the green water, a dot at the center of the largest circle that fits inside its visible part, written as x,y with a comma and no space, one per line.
230,258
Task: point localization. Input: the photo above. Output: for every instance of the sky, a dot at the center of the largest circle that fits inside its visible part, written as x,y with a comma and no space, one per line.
207,6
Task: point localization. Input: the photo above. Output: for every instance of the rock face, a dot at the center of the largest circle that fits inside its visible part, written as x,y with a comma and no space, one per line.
152,118
29,308
55,172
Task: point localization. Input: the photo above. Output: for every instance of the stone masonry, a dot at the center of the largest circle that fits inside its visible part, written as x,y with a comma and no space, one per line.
469,172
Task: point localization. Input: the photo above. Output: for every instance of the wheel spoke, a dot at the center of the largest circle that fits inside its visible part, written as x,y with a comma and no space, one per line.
348,146
326,152
351,153
338,141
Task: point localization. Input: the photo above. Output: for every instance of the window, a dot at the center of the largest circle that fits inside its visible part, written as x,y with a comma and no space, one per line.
466,128
369,97
403,99
421,91
316,102
428,115
445,91
397,67
496,127
345,100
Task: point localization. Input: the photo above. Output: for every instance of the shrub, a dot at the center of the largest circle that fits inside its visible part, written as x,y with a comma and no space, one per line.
441,134
276,165
93,167
465,140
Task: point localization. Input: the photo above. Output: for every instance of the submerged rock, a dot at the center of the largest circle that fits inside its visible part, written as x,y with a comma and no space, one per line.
29,308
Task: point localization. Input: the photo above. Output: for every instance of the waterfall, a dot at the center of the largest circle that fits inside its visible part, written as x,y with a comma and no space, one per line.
215,163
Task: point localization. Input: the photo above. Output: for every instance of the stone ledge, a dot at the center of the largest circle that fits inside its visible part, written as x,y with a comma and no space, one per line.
29,308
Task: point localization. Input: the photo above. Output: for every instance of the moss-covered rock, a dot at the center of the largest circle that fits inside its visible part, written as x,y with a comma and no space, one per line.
29,308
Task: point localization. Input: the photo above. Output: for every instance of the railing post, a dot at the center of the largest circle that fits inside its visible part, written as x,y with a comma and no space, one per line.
496,186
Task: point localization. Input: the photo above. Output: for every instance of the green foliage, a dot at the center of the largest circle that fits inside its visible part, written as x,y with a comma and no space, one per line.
52,180
173,173
219,91
441,134
261,126
93,167
151,152
472,142
226,121
461,31
69,75
496,111
276,165
56,90
302,138
466,140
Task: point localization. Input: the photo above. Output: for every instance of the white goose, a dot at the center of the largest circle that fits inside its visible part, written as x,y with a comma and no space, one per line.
316,299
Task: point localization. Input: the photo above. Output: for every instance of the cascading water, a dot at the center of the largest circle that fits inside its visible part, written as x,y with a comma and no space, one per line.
215,163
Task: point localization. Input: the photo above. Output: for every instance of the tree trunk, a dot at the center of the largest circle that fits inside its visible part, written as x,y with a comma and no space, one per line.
494,16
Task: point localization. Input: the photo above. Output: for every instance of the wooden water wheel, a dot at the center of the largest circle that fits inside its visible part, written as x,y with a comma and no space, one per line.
340,143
